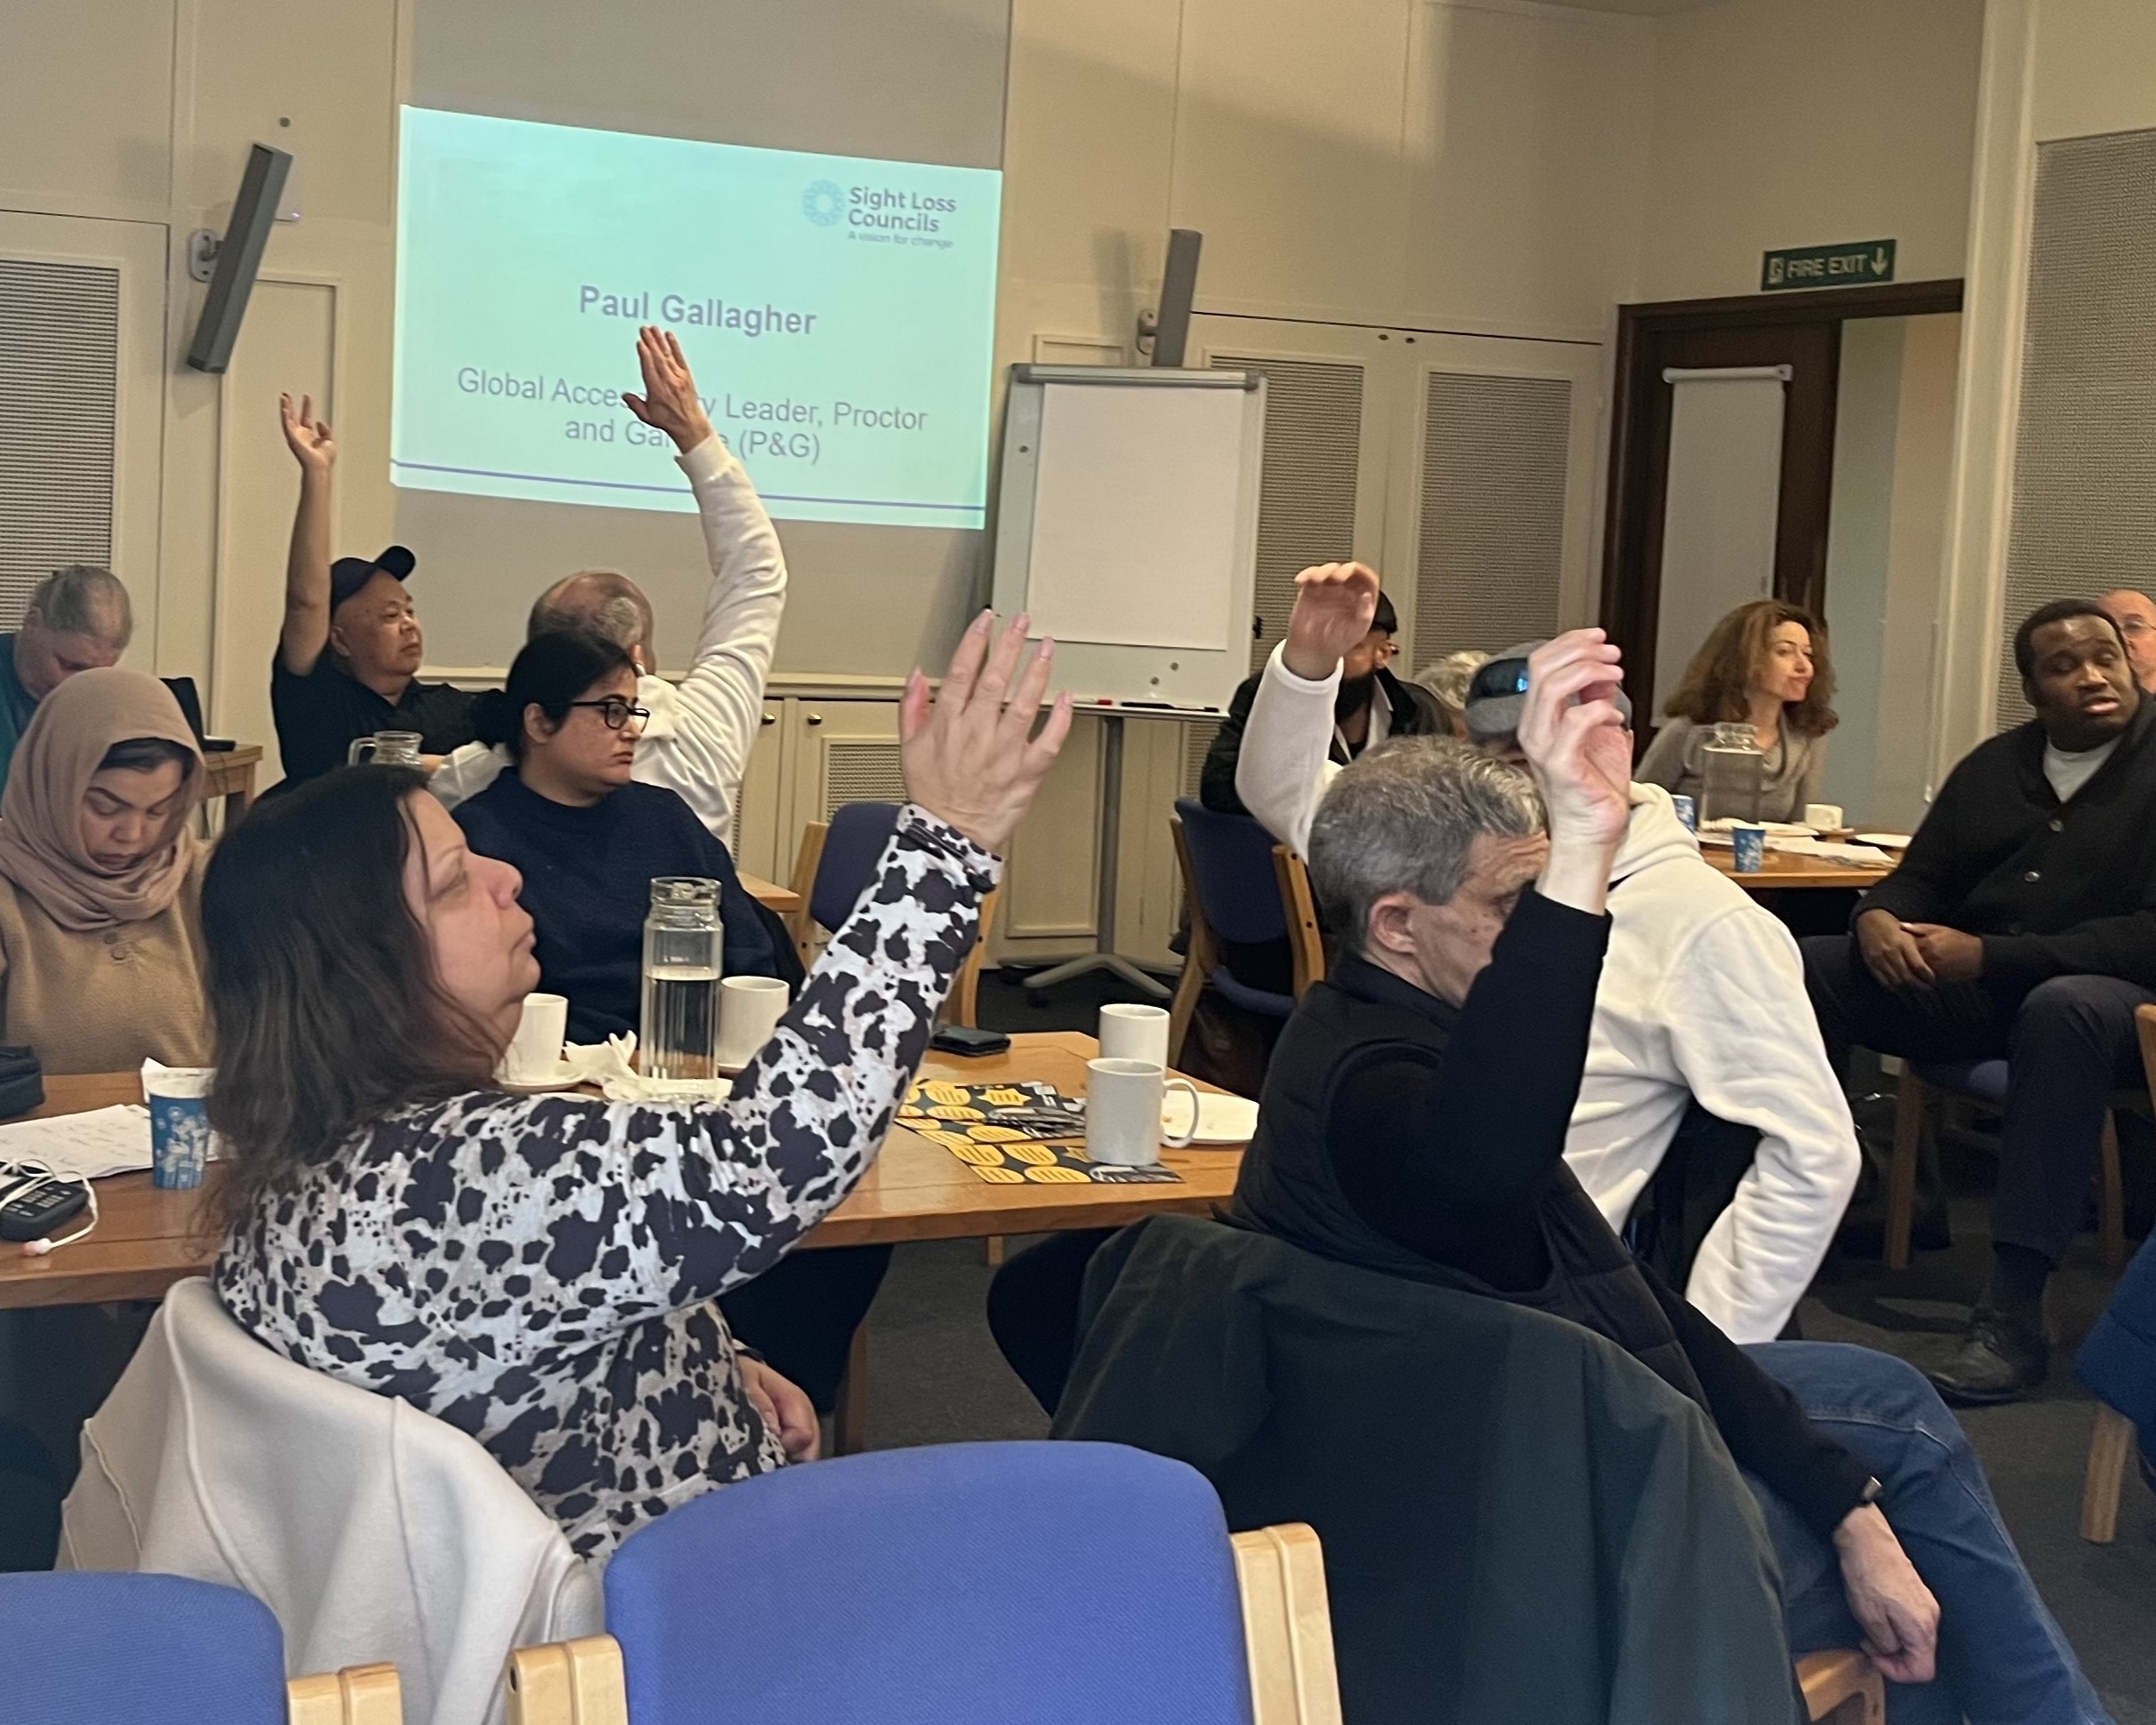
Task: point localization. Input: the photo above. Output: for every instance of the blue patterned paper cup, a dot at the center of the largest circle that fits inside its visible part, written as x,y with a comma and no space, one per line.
1688,812
179,1124
1749,843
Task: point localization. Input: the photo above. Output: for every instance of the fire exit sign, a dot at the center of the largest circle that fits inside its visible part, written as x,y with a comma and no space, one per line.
1855,265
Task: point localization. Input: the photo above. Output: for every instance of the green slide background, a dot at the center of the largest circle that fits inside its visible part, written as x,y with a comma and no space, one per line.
506,369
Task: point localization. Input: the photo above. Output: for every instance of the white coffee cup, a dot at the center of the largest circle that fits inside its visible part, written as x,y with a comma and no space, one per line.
1824,816
1122,1112
1134,1033
749,1010
534,1054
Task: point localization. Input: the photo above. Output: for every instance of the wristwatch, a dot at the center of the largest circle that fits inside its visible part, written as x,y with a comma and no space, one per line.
1873,1491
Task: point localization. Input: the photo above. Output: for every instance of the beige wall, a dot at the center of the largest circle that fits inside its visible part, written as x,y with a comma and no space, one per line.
1782,123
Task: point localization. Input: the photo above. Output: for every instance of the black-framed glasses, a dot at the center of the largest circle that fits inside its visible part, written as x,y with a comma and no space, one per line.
614,712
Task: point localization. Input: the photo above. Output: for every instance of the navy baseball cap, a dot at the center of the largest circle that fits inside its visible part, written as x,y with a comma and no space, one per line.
348,575
1497,694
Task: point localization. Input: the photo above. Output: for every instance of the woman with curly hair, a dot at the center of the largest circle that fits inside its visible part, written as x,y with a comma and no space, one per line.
1765,664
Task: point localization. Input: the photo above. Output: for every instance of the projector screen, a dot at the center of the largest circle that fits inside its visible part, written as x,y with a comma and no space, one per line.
838,312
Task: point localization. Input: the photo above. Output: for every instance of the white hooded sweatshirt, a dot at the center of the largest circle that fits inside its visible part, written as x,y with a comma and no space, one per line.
1701,995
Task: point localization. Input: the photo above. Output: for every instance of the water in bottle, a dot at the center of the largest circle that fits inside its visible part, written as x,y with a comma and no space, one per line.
683,954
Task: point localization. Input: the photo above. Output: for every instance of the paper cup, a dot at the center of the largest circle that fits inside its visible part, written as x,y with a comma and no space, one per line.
1124,1127
1688,812
179,1123
749,1010
534,1054
1134,1033
1750,844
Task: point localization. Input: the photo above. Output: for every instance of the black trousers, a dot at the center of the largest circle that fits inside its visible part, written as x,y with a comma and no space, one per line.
1032,1309
801,1313
2068,1042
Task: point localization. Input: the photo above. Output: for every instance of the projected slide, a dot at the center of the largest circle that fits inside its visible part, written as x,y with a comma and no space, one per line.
837,312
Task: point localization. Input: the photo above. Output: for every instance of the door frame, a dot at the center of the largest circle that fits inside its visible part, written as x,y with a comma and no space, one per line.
1640,414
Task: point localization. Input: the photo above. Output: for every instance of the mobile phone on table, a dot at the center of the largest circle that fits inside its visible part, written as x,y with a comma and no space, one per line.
964,1039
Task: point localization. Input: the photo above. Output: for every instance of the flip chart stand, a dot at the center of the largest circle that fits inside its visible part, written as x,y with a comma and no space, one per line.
1103,956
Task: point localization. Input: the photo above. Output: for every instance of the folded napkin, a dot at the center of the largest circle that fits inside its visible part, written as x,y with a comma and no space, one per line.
611,1066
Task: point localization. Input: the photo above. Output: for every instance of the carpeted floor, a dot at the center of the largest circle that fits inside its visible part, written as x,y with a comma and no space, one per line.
938,1378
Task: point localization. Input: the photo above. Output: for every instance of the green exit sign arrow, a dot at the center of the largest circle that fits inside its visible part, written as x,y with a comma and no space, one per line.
1853,264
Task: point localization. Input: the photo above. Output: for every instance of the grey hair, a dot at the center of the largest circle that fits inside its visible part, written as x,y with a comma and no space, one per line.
1403,819
602,601
1448,678
82,599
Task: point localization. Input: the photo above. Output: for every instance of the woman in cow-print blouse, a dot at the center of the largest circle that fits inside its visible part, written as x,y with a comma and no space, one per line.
540,1271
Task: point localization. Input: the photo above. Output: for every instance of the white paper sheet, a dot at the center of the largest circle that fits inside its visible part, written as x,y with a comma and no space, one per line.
113,1140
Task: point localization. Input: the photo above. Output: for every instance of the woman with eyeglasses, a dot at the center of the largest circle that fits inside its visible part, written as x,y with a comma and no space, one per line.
587,838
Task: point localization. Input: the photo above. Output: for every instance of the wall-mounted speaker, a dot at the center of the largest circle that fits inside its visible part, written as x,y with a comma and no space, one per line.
239,256
1178,287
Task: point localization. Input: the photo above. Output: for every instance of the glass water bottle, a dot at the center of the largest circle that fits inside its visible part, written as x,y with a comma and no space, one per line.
685,947
1732,774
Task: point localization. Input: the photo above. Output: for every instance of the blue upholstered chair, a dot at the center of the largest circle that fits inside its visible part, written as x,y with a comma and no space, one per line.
1232,891
948,1586
159,1650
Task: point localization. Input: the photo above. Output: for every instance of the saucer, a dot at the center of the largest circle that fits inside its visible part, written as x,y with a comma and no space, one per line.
564,1077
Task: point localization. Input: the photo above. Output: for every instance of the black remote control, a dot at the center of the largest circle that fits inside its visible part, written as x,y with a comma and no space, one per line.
32,1205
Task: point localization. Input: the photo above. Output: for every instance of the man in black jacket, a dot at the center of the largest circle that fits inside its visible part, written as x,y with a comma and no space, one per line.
1372,705
2022,924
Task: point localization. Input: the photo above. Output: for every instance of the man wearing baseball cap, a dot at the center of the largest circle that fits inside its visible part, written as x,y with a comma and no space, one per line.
348,660
1699,1057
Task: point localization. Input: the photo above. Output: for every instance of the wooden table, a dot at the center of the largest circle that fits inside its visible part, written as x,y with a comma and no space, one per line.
147,1240
772,896
1782,869
231,775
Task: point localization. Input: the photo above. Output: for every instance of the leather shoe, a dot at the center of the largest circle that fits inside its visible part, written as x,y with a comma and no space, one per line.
1999,1360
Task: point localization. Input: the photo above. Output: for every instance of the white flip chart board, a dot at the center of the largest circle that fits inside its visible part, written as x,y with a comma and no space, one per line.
1127,526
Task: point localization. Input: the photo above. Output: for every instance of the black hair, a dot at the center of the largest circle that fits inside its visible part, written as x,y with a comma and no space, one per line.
1384,619
2057,612
321,984
552,671
146,754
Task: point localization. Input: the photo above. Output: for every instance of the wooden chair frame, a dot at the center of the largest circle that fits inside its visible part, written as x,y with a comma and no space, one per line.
2113,1441
358,1695
1286,1619
1842,1685
1306,937
963,1005
1200,957
1914,1100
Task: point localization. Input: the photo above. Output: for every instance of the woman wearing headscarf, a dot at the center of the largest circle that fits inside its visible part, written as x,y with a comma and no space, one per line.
100,878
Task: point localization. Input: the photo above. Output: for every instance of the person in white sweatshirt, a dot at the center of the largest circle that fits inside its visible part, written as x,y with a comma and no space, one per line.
1702,997
697,739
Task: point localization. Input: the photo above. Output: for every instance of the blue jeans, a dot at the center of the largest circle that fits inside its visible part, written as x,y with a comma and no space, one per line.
2001,1657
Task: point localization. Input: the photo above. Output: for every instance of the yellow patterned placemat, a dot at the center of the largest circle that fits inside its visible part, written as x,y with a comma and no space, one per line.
1016,1134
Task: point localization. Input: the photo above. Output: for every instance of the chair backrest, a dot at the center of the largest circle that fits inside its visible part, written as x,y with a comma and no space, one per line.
371,1531
939,1586
1231,860
856,837
138,1650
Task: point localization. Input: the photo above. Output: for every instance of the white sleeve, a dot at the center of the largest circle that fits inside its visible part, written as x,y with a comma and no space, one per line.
467,771
1286,760
722,696
1748,1046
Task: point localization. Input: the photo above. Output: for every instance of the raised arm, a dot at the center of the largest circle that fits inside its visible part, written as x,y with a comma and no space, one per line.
722,694
1286,760
306,567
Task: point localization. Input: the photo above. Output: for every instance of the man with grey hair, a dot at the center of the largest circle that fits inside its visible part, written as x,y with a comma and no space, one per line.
78,620
1708,1104
697,739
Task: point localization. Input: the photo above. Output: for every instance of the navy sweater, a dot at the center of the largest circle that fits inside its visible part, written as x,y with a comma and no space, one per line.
587,884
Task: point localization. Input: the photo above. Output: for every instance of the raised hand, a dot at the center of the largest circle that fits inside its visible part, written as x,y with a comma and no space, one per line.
307,437
1334,603
669,402
970,752
1575,739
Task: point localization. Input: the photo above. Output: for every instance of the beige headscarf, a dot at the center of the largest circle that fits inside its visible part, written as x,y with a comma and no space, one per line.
41,824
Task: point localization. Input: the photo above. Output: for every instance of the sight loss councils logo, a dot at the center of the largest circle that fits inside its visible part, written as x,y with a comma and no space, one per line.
824,204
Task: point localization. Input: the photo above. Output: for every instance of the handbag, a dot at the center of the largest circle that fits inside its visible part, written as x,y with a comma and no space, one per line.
23,1083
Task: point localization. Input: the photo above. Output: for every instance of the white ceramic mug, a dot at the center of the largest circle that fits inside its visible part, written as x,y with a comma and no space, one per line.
749,1010
1134,1033
534,1054
1824,816
1122,1112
